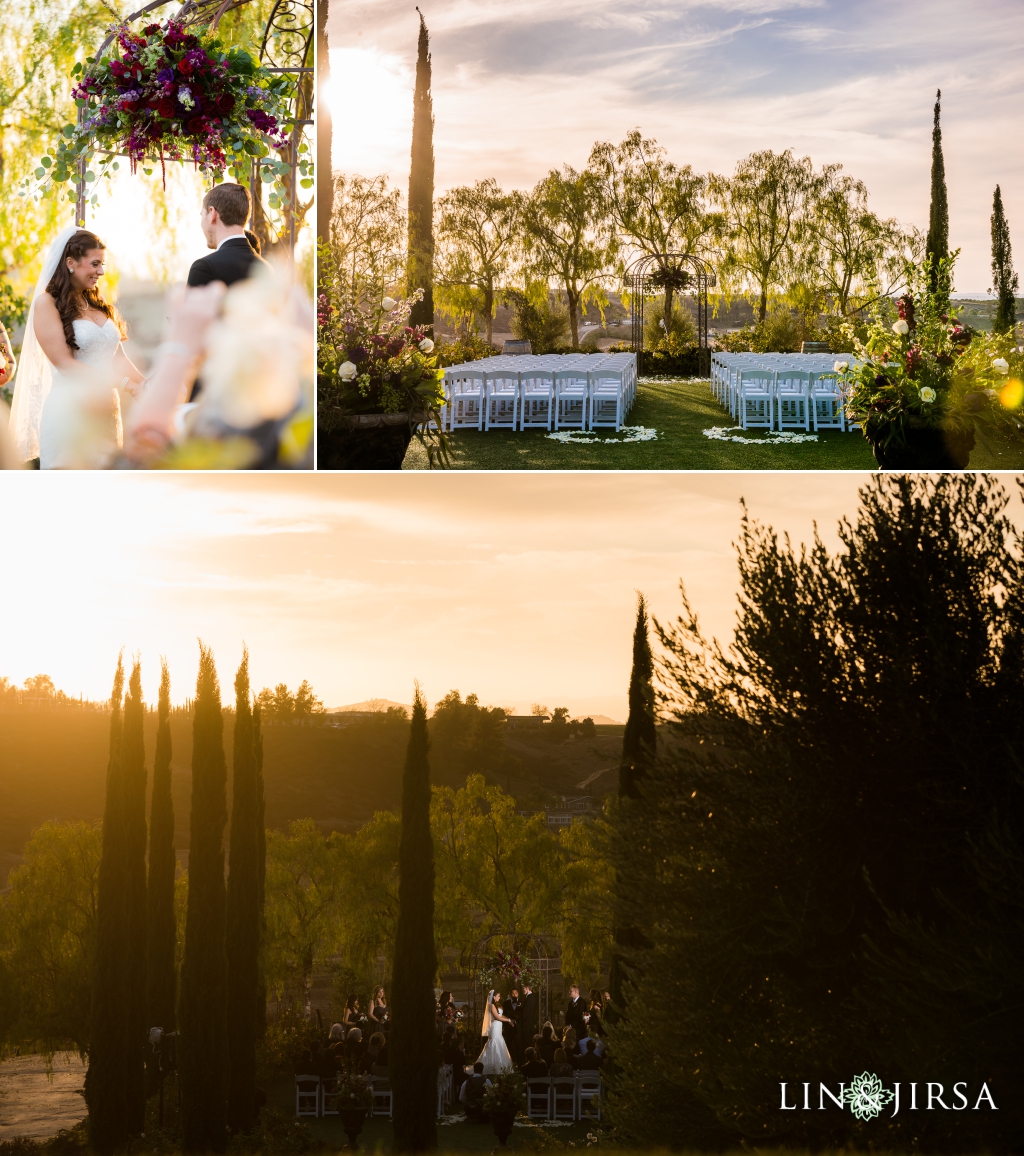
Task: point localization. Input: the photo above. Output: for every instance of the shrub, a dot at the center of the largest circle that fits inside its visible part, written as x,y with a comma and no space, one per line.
544,325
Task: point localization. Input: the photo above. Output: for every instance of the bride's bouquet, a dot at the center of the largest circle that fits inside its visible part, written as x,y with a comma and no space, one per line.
169,94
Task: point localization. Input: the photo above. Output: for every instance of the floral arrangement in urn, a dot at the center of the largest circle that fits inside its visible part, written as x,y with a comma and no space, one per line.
371,361
353,1091
927,383
507,968
170,94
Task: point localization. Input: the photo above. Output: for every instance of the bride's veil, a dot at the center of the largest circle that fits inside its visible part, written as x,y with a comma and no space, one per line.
486,1026
34,375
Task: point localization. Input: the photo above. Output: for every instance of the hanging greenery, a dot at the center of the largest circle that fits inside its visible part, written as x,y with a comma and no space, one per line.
167,94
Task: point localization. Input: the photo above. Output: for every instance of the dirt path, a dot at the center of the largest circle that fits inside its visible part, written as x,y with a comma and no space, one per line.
38,1105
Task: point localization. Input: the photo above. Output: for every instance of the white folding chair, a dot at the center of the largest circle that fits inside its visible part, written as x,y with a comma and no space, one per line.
466,399
381,1096
756,398
329,1097
606,399
792,398
501,399
538,1098
828,409
571,399
588,1094
536,398
307,1095
563,1097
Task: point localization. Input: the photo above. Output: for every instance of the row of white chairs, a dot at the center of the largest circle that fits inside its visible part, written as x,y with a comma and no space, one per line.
552,393
315,1096
781,391
575,1097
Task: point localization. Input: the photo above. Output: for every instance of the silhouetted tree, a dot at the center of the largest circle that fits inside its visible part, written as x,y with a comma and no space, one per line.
243,913
1004,280
420,268
937,246
202,1019
105,1082
160,974
261,866
413,1041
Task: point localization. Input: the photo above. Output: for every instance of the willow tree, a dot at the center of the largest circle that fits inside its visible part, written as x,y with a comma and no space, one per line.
160,972
1004,280
420,266
105,1081
413,1043
202,1001
937,246
243,912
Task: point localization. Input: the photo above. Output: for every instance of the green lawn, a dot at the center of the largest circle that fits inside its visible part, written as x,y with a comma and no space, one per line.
680,411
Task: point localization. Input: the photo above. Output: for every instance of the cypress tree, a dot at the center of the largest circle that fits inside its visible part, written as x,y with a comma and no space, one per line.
261,866
105,1080
160,976
639,743
937,246
413,1043
243,913
324,128
420,267
1004,280
638,740
202,1019
133,763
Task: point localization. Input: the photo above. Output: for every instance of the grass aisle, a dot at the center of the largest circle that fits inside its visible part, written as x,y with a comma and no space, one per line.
680,411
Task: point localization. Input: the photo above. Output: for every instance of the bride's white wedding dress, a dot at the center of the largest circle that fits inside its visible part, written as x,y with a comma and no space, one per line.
495,1056
80,426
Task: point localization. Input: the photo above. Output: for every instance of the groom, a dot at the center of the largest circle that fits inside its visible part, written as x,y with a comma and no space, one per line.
226,208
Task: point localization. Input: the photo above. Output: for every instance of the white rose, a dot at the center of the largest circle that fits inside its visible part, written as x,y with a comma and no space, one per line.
927,393
426,345
840,367
1001,365
901,327
348,370
388,304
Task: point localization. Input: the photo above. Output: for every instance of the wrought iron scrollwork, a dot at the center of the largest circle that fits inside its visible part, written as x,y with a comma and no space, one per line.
682,272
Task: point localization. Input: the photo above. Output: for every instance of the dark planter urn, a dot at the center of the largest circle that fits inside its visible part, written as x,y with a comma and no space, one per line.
502,1122
352,1120
924,449
369,441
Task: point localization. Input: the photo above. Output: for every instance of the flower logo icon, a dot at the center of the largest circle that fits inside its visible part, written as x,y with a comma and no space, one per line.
866,1096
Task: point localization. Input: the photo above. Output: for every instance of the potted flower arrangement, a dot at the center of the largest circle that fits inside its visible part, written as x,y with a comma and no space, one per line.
165,92
507,967
926,383
504,1099
355,1102
378,382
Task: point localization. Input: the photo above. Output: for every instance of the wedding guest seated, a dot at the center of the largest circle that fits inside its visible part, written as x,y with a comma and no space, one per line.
372,1052
569,1044
561,1066
591,1039
548,1045
591,1062
304,1064
337,1032
380,1066
454,1054
353,1048
472,1094
534,1068
323,1062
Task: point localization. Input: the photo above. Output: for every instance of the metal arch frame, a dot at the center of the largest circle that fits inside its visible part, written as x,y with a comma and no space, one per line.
546,965
287,23
691,274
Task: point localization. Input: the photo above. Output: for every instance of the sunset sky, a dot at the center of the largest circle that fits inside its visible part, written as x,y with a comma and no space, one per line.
521,86
519,587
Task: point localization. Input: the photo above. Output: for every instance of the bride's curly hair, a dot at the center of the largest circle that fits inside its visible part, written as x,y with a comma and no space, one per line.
70,301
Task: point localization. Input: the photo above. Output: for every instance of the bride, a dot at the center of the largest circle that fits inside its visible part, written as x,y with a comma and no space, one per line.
494,1057
66,409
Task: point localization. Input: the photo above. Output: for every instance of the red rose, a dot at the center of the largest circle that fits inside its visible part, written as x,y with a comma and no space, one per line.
185,66
225,103
166,109
196,126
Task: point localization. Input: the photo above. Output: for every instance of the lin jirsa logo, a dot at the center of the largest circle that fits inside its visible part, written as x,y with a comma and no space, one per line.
866,1096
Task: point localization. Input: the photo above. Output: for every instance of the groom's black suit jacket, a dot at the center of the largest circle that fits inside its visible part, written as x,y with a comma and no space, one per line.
232,262
527,1019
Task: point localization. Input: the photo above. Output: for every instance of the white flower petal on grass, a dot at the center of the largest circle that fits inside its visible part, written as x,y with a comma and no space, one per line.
586,437
720,433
